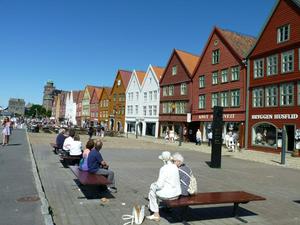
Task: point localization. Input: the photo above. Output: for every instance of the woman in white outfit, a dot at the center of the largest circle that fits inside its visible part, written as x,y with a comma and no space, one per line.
167,185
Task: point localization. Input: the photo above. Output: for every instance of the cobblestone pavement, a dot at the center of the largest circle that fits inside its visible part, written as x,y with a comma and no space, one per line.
136,165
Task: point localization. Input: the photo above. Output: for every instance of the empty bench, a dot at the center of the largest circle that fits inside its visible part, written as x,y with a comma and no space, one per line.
87,178
235,197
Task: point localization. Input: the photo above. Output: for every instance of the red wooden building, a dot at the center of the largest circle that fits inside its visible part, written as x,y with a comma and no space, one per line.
220,80
274,81
94,106
176,92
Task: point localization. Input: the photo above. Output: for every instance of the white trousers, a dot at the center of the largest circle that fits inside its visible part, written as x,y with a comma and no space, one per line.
153,205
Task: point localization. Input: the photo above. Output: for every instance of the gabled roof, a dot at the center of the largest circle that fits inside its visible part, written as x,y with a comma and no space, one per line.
296,3
189,60
75,95
91,89
125,75
108,90
80,96
158,71
239,42
98,92
140,76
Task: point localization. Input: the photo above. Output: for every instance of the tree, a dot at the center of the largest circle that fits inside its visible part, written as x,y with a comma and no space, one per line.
37,111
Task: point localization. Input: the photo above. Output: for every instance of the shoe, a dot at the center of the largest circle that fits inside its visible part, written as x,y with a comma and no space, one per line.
112,189
154,218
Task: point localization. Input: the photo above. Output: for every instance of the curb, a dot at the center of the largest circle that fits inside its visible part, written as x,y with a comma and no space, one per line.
45,206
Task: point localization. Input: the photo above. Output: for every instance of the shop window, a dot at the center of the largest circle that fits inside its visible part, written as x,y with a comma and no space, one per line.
264,134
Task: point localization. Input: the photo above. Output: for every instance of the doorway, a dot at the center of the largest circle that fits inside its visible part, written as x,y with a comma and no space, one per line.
290,135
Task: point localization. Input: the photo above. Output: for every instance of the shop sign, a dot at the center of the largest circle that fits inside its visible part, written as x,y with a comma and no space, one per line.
210,116
274,116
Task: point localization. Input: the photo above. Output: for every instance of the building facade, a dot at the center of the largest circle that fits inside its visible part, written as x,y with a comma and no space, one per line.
16,106
176,93
220,80
94,106
86,99
274,81
48,97
104,107
79,119
117,102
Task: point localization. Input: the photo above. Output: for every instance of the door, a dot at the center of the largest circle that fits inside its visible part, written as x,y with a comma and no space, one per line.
290,134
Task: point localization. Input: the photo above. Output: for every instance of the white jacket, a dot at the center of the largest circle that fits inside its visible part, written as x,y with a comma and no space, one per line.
168,182
67,143
76,148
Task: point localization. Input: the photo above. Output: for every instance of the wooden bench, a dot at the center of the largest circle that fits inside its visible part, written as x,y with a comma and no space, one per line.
69,160
87,178
235,197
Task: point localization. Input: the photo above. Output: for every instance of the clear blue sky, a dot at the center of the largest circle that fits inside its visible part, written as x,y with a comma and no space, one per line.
80,42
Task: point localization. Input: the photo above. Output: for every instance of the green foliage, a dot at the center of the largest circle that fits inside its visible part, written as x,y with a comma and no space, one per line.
37,111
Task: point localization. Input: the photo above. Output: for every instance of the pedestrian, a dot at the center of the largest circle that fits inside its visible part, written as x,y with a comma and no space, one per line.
198,137
209,136
166,187
91,132
98,130
5,131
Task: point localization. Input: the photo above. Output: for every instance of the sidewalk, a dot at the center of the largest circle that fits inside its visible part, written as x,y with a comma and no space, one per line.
262,157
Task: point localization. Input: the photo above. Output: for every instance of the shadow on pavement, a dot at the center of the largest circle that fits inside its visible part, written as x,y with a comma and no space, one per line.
177,215
297,201
93,191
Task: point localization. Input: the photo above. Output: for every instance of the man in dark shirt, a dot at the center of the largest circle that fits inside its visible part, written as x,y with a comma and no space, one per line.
60,139
97,165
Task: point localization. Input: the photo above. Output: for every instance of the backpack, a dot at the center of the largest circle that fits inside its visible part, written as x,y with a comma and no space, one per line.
192,188
137,216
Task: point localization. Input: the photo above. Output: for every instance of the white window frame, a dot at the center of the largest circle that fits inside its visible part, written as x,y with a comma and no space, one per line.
224,76
155,95
235,73
183,89
215,56
171,90
290,62
201,102
283,94
137,95
150,95
272,65
224,99
281,33
235,99
201,81
174,70
271,96
214,99
150,110
154,110
214,78
136,109
258,68
165,91
258,97
145,96
145,110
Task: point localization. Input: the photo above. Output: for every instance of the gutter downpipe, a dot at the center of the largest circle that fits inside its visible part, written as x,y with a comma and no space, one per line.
247,103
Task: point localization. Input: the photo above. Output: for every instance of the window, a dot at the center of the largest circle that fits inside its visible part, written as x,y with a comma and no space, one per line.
155,95
115,97
145,96
287,61
164,107
150,95
258,68
201,81
272,65
137,95
257,97
174,70
298,92
154,110
224,99
170,107
183,89
119,82
216,56
215,77
201,103
235,73
171,90
165,91
145,110
150,110
180,107
214,99
283,33
136,109
271,95
224,76
235,98
287,94
264,134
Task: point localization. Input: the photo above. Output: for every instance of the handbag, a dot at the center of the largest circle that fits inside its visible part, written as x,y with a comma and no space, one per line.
137,216
192,188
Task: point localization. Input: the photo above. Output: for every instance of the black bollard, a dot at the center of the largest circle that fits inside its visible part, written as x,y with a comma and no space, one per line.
283,149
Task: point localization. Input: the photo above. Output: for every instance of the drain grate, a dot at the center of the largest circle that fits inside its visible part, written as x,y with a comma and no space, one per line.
28,199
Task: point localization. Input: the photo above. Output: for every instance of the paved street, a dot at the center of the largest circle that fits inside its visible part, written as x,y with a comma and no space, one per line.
136,165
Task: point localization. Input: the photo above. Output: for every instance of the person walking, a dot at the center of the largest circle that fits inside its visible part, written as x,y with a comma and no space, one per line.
91,132
6,131
209,136
198,137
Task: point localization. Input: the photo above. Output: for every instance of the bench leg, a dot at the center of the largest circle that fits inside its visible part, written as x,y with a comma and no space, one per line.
235,209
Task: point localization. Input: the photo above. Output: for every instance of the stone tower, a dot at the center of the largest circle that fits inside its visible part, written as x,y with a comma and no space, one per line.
49,92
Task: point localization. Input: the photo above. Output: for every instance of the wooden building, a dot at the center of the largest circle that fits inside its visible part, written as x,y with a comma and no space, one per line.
94,106
220,80
117,102
274,81
103,107
79,109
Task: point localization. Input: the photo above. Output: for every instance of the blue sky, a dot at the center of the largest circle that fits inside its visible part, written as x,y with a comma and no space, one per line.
80,42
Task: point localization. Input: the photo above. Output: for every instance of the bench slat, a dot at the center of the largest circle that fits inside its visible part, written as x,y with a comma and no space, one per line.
87,178
214,198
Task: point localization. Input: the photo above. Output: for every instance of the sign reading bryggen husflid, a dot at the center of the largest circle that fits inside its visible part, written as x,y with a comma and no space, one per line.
274,81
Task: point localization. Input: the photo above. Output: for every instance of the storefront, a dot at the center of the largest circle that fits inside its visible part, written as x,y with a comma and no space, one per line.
150,129
265,131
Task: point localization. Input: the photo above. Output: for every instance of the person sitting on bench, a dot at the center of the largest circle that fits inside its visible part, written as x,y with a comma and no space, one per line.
183,171
166,187
68,141
60,138
76,149
97,165
89,146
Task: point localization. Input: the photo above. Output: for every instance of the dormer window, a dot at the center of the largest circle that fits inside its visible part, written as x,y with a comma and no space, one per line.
216,56
174,70
283,33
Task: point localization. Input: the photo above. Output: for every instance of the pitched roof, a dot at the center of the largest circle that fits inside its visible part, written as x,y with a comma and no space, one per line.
75,95
125,77
141,76
158,71
91,89
80,96
189,60
108,90
98,92
239,42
